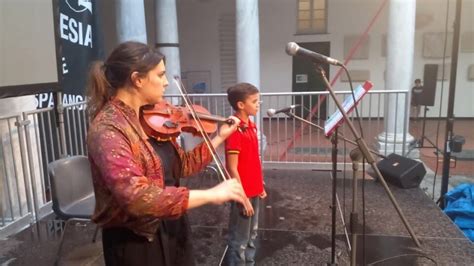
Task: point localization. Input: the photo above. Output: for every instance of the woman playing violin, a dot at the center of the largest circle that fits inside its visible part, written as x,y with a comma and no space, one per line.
136,177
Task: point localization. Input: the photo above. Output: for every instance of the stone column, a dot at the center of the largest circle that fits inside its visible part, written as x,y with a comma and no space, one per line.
399,72
167,40
131,24
248,48
247,42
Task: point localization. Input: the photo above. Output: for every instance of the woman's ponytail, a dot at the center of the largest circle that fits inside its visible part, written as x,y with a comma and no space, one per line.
106,78
98,90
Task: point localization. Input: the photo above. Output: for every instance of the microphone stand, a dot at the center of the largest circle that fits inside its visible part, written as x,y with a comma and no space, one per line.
356,157
368,156
333,201
339,135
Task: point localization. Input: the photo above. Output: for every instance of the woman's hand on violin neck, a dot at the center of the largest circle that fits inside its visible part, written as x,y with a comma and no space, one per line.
226,130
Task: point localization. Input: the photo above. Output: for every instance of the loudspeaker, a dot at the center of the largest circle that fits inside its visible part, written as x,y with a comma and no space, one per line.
430,77
401,171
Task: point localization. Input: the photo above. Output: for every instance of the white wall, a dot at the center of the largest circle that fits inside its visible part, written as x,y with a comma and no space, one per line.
435,12
199,40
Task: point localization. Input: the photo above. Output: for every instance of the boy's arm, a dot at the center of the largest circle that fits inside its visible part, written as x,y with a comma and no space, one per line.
263,194
232,161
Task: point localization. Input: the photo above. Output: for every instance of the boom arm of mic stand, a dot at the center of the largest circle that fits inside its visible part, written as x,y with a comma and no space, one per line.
370,159
339,135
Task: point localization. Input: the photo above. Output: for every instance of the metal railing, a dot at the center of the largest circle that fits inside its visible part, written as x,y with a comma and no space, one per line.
15,183
35,138
288,141
292,141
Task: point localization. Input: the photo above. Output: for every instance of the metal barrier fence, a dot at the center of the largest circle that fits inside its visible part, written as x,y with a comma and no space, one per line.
75,128
16,194
292,141
33,139
289,141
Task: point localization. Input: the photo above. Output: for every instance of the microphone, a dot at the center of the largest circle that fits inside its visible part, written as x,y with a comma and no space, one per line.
294,49
356,156
271,112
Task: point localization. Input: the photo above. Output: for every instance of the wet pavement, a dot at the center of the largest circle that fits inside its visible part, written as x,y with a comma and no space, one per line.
295,228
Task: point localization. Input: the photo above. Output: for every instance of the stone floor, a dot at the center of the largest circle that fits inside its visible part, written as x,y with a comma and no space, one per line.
295,226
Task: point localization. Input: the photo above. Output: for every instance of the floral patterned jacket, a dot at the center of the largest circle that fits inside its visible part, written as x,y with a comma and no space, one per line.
128,175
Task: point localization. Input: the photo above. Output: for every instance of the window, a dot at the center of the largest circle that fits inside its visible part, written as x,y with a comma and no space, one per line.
312,16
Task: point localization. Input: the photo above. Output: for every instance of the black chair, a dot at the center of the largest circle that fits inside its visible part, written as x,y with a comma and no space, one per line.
72,191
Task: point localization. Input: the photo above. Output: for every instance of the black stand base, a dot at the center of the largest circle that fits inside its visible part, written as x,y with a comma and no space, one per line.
420,143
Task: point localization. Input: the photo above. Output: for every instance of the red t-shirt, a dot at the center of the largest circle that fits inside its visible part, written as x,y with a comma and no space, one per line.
244,142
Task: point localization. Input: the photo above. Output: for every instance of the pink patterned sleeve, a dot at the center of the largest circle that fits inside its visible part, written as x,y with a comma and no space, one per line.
122,173
195,160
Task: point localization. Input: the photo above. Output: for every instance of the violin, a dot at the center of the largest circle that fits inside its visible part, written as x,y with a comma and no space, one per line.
164,120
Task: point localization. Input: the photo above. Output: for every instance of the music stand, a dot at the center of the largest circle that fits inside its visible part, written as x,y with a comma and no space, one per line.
368,157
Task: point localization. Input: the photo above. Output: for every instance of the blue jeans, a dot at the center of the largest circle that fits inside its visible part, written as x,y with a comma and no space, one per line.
242,234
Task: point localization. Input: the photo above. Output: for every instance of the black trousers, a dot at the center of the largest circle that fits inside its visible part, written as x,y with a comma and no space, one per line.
171,246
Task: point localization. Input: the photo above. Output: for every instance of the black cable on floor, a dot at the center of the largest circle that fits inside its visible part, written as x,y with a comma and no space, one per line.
363,212
441,96
363,162
355,102
403,255
344,184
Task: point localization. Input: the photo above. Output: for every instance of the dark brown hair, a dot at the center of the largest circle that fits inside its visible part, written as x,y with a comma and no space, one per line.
239,93
106,77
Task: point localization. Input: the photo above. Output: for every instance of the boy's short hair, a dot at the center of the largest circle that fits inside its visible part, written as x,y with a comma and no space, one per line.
417,80
239,93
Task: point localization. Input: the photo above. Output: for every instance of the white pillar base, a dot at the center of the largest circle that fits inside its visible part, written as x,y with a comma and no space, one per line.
388,143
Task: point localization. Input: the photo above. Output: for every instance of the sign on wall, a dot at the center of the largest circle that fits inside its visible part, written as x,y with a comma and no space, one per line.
28,47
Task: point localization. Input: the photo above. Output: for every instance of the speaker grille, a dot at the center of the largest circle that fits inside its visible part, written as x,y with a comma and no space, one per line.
401,171
430,76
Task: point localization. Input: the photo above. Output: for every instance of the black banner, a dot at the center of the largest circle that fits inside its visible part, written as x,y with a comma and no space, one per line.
80,38
80,45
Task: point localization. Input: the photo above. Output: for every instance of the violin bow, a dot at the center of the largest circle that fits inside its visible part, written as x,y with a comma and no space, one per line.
222,170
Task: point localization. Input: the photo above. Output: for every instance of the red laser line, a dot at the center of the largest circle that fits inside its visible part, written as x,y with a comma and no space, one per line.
353,50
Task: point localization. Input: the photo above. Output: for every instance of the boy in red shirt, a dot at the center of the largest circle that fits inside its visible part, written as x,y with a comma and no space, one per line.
243,163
